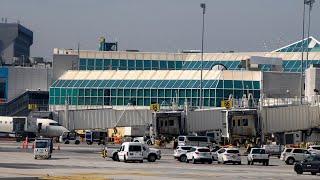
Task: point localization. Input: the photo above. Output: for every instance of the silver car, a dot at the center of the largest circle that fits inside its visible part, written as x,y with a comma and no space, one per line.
181,153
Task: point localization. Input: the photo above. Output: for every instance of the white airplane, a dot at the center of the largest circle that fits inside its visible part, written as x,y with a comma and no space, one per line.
42,127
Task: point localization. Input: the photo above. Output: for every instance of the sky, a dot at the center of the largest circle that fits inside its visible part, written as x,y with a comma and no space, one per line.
161,25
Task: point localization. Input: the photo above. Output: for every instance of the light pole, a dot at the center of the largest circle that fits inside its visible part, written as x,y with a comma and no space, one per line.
310,3
203,6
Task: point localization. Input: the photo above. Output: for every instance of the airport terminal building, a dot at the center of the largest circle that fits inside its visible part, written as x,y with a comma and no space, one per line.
118,78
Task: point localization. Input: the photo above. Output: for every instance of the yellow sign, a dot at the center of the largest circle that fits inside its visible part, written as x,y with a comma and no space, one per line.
226,103
32,106
155,107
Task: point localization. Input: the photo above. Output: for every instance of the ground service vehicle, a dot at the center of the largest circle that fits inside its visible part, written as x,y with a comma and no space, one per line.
199,154
131,151
144,140
95,136
69,137
201,141
292,155
310,164
214,136
273,149
43,148
180,153
229,155
150,154
258,155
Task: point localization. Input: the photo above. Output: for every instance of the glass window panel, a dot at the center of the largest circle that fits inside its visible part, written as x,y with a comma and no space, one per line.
60,83
247,84
97,83
206,93
57,92
220,84
80,100
127,92
133,92
256,85
143,83
147,102
114,101
227,92
136,84
107,64
100,101
171,65
127,101
90,64
238,94
115,64
178,65
182,93
83,62
129,84
219,93
154,93
140,92
78,83
168,93
63,92
93,100
146,64
103,83
81,92
238,84
131,64
106,101
106,92
120,101
68,92
116,83
196,84
228,84
206,101
192,83
123,83
123,64
51,100
194,92
160,92
84,83
184,84
100,92
94,92
154,100
139,64
57,100
87,92
170,84
66,83
212,93
155,65
110,83
90,83
140,101
188,93
149,84
146,93
99,64
120,92
163,65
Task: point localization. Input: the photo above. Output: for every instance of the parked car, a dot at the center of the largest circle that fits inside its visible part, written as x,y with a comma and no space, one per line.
258,155
131,151
180,153
294,155
273,149
310,164
150,154
214,152
199,154
284,153
314,149
229,155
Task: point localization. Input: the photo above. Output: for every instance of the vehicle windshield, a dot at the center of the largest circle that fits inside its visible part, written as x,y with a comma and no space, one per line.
233,151
54,124
41,144
134,148
203,150
316,148
185,148
197,138
288,150
258,151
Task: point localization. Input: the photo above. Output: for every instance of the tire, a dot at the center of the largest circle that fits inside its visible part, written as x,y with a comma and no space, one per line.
249,162
35,157
115,157
125,159
141,161
152,158
290,161
239,163
67,142
183,158
210,162
149,143
267,163
193,160
298,169
77,142
252,163
314,173
89,143
187,160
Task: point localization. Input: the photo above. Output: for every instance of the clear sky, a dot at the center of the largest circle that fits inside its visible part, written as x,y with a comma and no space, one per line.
161,25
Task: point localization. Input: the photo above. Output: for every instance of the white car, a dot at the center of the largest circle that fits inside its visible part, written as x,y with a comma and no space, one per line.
314,149
258,155
291,155
181,153
199,154
229,155
131,151
214,152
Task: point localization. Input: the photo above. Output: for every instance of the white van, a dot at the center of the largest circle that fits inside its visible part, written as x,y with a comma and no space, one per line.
131,151
203,141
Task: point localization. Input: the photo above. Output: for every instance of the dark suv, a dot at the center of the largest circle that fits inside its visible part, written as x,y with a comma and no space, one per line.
309,164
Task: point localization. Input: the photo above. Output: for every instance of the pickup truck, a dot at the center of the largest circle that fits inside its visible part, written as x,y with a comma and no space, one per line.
258,155
151,154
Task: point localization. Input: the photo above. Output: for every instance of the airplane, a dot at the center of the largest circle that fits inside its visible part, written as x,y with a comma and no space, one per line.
11,126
